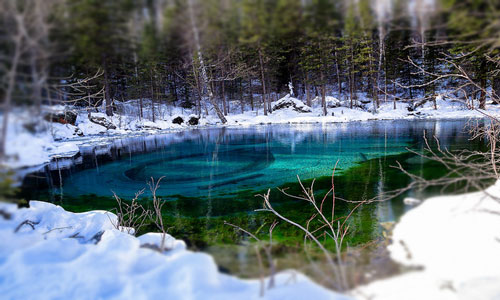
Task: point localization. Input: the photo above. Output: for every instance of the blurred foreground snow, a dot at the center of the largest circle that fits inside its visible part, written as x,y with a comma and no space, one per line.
82,256
454,244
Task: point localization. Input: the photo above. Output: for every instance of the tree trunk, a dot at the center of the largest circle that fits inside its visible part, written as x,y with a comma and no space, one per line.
374,80
251,92
411,90
337,69
152,98
381,50
8,94
385,80
394,93
351,86
263,81
496,89
107,96
198,90
241,96
141,104
269,99
176,97
308,93
202,65
482,73
351,76
323,94
482,97
223,96
228,102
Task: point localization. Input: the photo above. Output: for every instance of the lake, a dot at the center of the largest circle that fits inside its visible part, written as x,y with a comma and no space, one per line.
213,175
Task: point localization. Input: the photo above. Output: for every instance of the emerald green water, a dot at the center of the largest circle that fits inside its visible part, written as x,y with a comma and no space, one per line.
213,175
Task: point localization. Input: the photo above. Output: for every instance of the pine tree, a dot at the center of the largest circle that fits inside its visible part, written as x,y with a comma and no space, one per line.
97,30
317,55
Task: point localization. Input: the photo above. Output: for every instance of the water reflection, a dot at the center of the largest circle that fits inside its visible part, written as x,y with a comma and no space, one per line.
212,176
219,162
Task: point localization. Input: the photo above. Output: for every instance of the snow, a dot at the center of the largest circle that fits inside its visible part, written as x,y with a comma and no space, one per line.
28,149
291,102
453,242
82,256
331,102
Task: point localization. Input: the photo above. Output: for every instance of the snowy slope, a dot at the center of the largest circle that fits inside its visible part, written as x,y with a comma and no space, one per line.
454,242
81,256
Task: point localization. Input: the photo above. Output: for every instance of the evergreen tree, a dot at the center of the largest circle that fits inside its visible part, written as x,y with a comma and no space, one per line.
97,29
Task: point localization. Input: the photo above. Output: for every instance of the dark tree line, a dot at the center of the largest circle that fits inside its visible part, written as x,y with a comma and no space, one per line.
202,54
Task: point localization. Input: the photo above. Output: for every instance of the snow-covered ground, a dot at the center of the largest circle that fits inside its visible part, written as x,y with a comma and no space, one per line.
451,241
32,142
82,256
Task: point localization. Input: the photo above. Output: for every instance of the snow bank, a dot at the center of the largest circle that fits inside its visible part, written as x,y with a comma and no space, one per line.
30,141
33,141
454,241
81,256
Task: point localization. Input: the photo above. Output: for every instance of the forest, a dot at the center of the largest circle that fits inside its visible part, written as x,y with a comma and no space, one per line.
190,53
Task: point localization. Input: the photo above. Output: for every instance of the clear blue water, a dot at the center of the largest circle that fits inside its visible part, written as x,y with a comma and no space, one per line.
220,164
216,163
213,175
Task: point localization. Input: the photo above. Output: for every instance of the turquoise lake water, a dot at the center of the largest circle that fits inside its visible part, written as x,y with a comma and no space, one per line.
218,162
214,175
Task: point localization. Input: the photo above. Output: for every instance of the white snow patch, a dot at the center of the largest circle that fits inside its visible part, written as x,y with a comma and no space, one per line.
290,103
455,240
82,256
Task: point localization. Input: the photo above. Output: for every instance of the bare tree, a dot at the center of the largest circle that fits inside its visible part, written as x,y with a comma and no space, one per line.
157,216
321,225
267,246
205,81
130,217
24,68
15,22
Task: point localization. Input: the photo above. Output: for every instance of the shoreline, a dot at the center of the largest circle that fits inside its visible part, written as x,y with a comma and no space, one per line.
109,136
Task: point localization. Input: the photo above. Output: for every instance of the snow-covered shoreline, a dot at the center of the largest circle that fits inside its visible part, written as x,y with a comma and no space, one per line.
45,141
453,242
